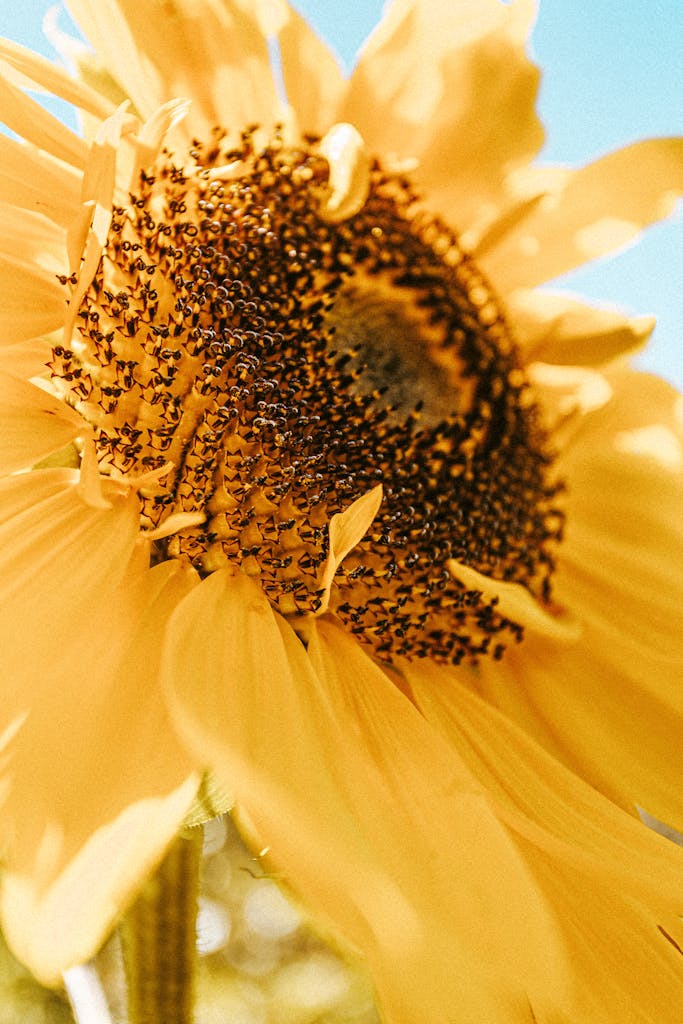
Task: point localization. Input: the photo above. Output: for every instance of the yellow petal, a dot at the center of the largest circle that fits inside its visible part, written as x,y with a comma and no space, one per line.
346,530
311,72
611,706
39,74
25,359
32,122
32,301
97,781
364,810
242,674
625,475
90,231
86,66
616,887
152,134
554,327
230,671
99,174
104,25
497,221
35,181
565,394
93,489
46,528
32,238
398,81
213,52
33,424
486,125
591,212
473,889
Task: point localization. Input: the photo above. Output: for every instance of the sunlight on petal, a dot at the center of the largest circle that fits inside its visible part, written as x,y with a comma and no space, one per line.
472,880
32,180
595,209
311,72
605,235
32,238
620,573
654,442
212,51
566,394
109,869
40,72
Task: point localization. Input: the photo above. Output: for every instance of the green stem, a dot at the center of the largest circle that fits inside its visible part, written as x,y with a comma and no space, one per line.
158,935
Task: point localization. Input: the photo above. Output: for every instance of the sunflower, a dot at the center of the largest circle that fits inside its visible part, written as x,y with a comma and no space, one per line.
328,501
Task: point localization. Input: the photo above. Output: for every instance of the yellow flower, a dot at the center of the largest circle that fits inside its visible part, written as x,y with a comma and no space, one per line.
436,703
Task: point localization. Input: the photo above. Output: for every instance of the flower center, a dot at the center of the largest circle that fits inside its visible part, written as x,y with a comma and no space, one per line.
280,366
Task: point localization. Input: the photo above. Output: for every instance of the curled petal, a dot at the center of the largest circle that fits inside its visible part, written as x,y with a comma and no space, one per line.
346,530
90,232
349,182
156,128
565,395
516,603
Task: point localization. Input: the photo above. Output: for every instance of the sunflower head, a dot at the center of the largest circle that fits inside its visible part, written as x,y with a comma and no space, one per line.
269,364
319,420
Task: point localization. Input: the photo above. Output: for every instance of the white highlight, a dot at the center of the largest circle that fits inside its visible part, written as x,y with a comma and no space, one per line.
268,913
655,442
86,995
213,927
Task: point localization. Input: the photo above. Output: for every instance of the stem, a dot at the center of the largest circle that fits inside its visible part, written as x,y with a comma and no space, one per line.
158,936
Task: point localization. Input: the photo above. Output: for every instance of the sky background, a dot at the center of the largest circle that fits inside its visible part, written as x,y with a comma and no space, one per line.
612,73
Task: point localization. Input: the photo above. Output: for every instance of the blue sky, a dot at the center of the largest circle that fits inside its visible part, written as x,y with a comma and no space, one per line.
612,74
